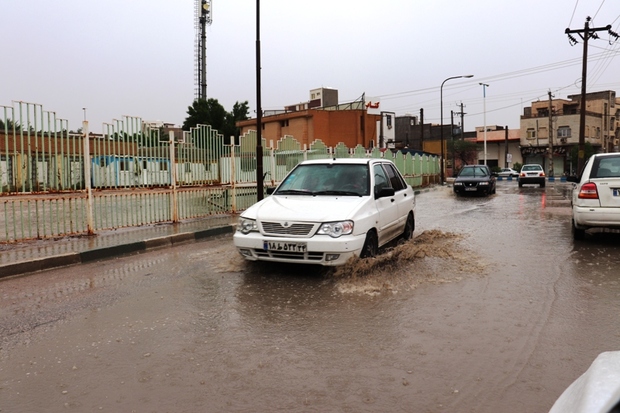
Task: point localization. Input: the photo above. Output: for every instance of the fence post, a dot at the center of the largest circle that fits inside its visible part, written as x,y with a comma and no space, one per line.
90,227
173,180
233,178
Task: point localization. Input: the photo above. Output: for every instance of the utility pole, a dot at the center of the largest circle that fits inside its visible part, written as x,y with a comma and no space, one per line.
550,154
452,138
422,128
462,122
586,33
506,150
259,113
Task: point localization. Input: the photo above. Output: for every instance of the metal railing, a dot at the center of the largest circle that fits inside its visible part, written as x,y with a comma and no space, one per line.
56,182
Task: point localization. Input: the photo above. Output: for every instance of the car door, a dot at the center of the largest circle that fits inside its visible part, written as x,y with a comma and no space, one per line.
402,195
387,207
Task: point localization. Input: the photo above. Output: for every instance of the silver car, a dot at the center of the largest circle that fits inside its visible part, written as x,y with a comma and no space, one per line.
596,194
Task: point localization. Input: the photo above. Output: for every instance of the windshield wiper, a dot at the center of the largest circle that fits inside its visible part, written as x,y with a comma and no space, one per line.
294,192
332,192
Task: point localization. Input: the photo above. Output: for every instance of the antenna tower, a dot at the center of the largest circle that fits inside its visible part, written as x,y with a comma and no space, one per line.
202,19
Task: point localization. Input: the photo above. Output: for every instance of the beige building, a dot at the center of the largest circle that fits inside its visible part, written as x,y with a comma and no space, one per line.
550,129
502,146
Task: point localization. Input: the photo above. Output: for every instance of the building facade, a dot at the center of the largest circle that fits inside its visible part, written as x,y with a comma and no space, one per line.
322,117
550,129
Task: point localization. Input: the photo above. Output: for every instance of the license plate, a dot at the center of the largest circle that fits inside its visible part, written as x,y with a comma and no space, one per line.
471,189
284,246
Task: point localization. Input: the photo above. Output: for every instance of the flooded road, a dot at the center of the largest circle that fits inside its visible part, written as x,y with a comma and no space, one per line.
491,308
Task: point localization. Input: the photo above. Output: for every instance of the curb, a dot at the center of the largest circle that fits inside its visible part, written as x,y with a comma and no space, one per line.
63,260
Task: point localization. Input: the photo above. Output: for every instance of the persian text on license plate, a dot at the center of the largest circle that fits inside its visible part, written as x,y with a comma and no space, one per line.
284,246
471,189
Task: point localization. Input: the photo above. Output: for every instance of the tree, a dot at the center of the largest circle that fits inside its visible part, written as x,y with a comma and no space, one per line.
205,112
211,112
464,151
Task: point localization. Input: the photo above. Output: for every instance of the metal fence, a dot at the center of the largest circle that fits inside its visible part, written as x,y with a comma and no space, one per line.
56,182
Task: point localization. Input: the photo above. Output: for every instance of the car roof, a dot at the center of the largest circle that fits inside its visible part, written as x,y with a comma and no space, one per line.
604,155
352,161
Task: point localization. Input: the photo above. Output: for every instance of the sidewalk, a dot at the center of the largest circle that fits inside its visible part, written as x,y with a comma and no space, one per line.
31,256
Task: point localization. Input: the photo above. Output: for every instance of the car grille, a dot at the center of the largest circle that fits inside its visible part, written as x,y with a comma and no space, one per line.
295,230
293,256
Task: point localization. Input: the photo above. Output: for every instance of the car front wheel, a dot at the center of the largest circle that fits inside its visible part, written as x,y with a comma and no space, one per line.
409,227
371,245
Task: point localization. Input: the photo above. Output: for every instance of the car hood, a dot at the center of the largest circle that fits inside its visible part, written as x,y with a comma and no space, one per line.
306,208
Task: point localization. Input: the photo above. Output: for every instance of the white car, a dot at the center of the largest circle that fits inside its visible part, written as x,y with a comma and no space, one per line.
326,211
508,172
596,194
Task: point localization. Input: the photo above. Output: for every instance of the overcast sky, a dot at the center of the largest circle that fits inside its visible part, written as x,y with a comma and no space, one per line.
136,58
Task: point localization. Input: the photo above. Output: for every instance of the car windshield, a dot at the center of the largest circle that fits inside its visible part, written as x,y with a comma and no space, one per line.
608,167
474,171
326,179
531,168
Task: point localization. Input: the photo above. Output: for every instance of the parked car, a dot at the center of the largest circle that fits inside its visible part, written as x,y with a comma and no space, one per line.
508,172
532,174
596,194
326,211
475,179
597,390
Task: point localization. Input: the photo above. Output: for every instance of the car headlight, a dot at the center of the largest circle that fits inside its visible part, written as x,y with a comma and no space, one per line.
458,184
336,229
246,225
483,183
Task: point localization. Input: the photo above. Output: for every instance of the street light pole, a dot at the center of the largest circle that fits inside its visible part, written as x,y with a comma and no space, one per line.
443,161
484,110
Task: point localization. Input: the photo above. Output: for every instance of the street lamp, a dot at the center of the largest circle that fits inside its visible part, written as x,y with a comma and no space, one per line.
441,130
484,105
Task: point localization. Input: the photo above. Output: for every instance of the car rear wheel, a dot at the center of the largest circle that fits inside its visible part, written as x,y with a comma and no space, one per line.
371,245
578,234
409,227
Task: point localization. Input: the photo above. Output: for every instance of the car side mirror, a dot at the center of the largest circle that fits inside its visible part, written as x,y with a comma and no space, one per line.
270,190
384,192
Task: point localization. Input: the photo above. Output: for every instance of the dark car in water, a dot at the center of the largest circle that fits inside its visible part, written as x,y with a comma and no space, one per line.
475,179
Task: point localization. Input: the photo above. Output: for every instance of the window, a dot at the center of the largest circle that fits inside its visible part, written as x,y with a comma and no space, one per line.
542,133
564,132
531,133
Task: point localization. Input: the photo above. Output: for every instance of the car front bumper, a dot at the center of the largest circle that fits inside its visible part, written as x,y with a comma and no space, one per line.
320,249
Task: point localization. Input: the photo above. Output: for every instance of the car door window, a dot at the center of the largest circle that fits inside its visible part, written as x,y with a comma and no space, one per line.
395,179
381,178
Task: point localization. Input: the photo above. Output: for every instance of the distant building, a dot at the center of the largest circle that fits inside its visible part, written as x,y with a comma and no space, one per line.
502,146
557,122
321,117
